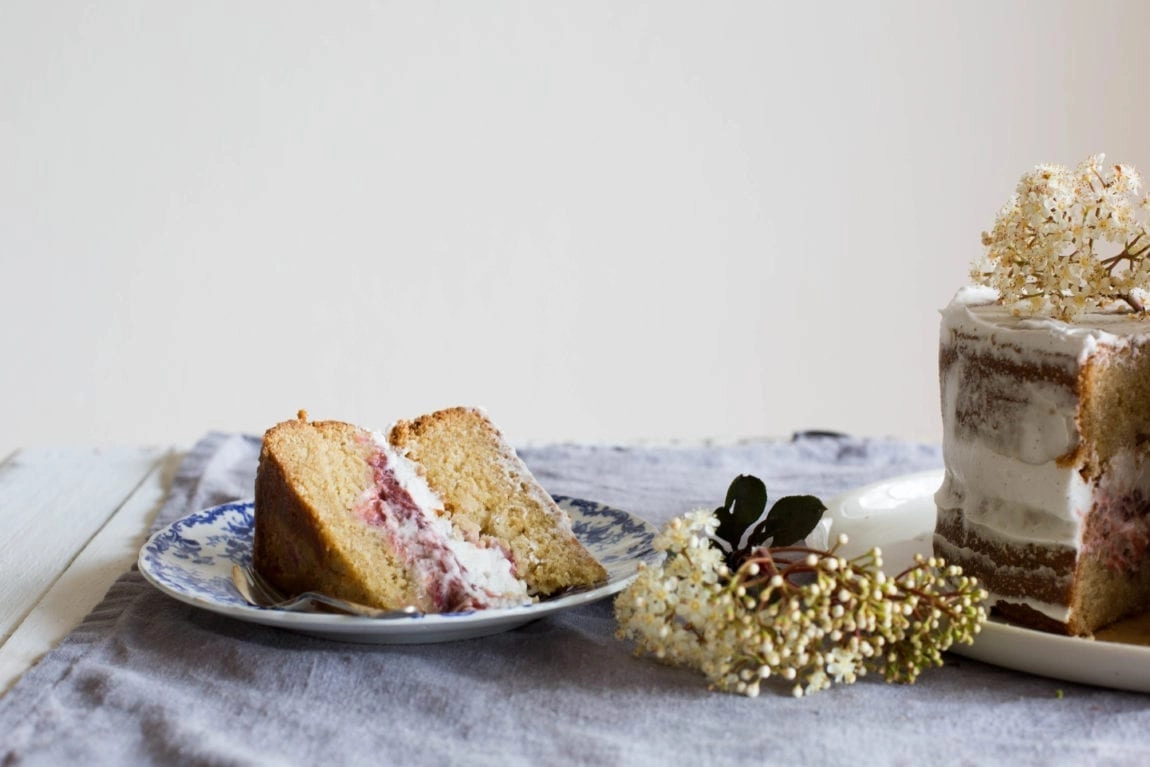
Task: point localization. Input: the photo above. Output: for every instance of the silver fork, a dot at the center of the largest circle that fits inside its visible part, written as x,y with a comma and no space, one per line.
255,590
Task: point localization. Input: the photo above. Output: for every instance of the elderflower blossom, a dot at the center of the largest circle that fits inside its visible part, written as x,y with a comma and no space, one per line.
807,617
1070,241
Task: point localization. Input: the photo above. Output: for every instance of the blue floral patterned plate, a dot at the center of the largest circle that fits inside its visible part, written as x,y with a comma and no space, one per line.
191,560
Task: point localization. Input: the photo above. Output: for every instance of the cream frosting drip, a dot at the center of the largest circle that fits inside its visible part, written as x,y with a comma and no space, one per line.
1034,424
1014,500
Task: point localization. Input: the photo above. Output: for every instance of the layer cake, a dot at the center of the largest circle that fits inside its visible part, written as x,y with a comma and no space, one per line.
437,513
1046,496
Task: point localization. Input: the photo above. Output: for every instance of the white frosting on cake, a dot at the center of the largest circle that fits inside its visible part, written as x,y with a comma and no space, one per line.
974,310
1015,490
1012,500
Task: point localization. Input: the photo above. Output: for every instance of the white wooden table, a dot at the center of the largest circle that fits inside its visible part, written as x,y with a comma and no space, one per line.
75,519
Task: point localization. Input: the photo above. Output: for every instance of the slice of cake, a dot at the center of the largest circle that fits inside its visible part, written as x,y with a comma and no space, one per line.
340,510
488,491
1045,383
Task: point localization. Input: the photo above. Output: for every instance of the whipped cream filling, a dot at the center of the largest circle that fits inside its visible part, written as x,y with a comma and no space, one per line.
457,573
1012,500
1033,422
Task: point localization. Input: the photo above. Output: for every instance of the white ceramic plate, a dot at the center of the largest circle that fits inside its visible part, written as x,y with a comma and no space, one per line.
191,560
898,516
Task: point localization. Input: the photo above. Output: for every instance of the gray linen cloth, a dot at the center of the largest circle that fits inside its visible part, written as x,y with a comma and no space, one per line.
148,680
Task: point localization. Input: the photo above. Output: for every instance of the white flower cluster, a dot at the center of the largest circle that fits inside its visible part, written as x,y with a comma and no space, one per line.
1071,241
805,616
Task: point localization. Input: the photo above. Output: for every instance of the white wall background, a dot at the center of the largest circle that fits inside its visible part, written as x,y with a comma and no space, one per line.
603,221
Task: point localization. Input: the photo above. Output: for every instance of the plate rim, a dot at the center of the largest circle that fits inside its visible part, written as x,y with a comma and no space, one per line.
1016,647
429,628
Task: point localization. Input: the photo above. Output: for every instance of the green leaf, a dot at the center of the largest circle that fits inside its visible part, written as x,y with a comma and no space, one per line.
762,533
791,519
746,500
